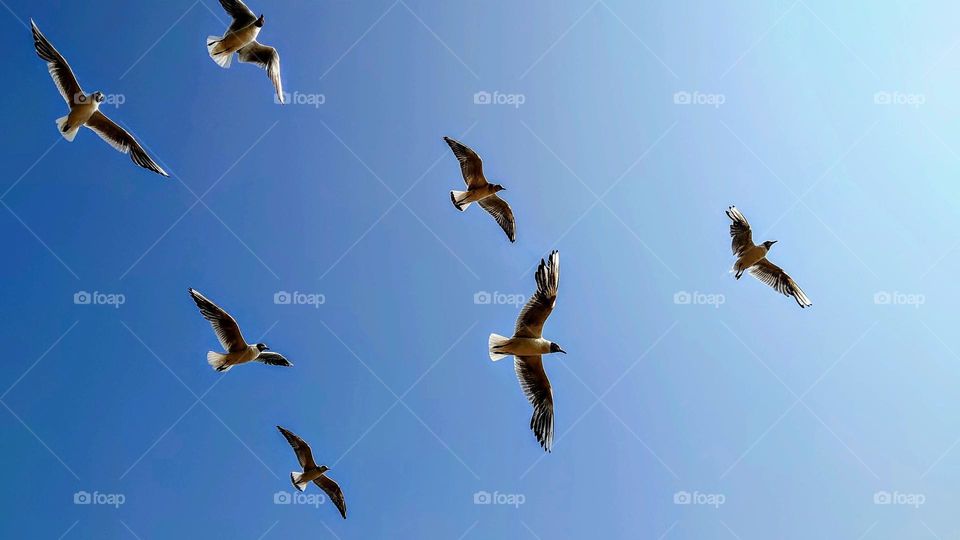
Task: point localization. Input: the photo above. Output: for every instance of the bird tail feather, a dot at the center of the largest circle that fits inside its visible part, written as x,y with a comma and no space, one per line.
222,58
298,481
68,132
496,340
455,196
218,361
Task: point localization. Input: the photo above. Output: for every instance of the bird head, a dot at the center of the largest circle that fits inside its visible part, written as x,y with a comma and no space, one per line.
769,243
323,469
259,22
498,187
556,348
262,347
98,97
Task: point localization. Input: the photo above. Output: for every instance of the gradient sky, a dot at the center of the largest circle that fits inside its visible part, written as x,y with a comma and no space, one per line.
832,127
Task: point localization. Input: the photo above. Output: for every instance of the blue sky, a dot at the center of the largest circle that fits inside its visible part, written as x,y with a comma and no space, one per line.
830,126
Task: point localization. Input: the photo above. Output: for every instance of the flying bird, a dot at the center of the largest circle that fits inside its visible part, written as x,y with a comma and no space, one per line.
752,258
85,108
527,346
241,38
228,332
479,190
313,473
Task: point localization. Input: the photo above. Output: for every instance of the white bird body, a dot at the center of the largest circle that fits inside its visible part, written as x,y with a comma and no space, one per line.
521,346
750,257
226,361
232,42
81,110
463,199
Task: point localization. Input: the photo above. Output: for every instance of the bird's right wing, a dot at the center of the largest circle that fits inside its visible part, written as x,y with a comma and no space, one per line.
62,75
775,277
122,140
470,164
500,210
228,332
273,359
536,386
739,231
332,489
242,16
538,308
267,58
302,449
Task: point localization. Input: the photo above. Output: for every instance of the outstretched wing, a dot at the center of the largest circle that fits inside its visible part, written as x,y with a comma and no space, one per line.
739,231
123,141
267,58
302,449
470,164
332,489
500,210
62,75
535,312
241,14
273,359
228,332
775,277
536,386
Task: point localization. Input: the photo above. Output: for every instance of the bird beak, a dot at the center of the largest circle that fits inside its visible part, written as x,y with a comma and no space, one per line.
774,242
563,351
266,348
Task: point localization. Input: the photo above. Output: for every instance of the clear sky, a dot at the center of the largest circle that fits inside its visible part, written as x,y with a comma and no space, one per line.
622,130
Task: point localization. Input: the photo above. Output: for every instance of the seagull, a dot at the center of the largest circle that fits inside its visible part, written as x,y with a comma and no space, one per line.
241,38
85,108
527,346
312,473
479,190
752,258
238,352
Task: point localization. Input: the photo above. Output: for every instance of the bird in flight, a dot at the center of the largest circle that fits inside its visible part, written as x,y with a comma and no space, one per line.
753,258
85,108
479,190
527,346
228,332
313,473
241,38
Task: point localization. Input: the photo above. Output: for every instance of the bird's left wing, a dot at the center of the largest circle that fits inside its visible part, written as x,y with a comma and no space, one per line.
739,231
500,210
538,308
775,277
265,57
62,75
241,14
536,386
273,359
302,449
123,141
332,489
